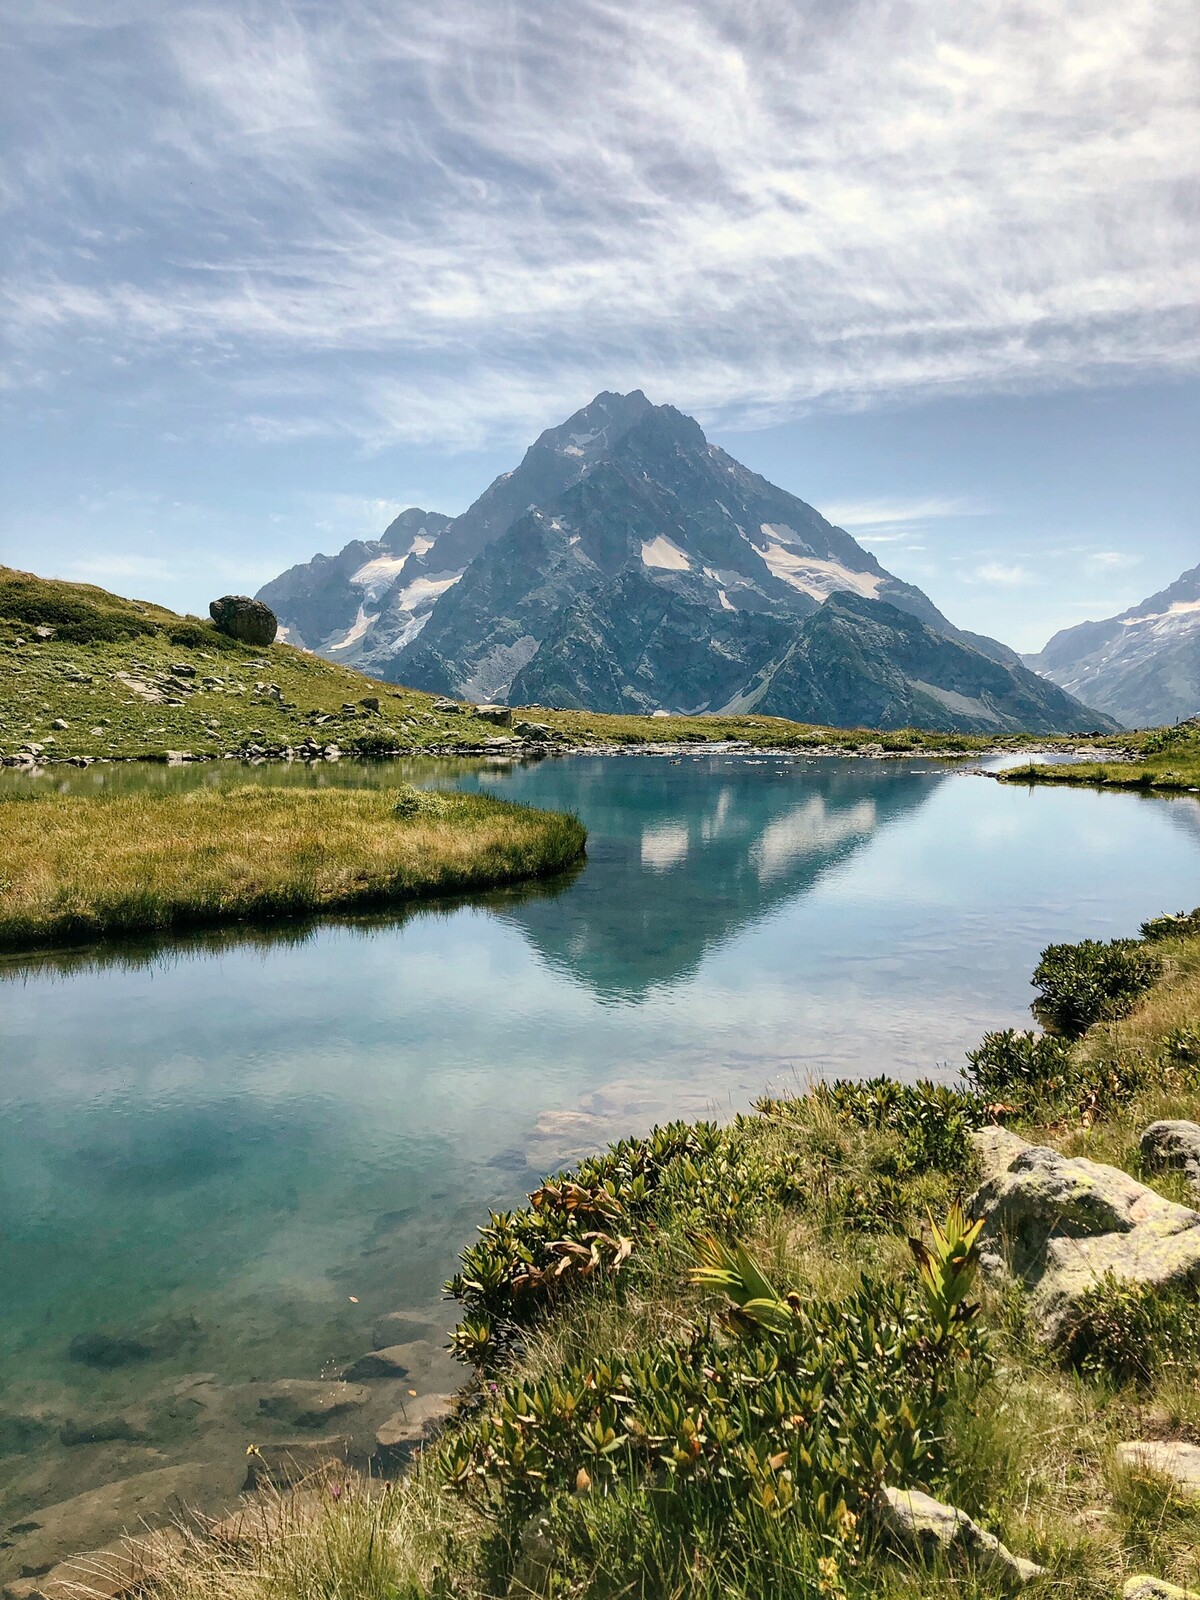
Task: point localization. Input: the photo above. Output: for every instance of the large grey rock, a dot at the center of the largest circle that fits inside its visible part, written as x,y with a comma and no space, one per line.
243,618
1174,1144
1166,1458
1062,1224
1143,1587
499,716
931,1530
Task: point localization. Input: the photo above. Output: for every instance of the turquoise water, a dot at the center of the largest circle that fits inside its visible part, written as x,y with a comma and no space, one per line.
272,1141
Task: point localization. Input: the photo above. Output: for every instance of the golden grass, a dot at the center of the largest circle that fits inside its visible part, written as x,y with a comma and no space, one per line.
78,867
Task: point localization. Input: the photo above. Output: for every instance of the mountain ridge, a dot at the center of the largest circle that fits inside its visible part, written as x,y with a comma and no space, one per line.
1141,667
628,505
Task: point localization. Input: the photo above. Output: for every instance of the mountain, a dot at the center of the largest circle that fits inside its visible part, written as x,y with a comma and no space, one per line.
629,564
1142,667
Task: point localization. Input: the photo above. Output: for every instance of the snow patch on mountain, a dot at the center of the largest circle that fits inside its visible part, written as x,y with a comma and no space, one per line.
663,552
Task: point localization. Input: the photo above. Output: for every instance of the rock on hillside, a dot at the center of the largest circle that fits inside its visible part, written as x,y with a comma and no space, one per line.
1142,667
629,564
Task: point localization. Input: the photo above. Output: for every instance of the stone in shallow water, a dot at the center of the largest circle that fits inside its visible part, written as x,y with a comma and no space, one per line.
288,1461
400,1327
1170,1458
304,1404
98,1349
118,1569
412,1425
392,1361
932,1529
51,1535
1061,1224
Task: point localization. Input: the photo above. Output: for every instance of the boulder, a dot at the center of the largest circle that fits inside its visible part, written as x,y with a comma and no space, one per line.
448,708
243,618
1144,1587
931,1530
1062,1224
499,716
1174,1144
304,1404
1165,1458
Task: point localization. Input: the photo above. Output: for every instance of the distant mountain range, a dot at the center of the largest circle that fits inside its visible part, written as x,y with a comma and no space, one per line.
1143,667
627,564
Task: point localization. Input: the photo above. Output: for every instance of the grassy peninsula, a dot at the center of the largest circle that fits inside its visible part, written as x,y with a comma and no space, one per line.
1161,760
698,1356
80,867
86,675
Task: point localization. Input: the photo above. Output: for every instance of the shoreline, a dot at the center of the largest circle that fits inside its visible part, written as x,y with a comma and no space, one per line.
888,1151
518,749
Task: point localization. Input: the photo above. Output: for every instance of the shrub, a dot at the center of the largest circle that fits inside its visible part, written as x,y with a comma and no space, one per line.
1133,1332
584,1225
412,802
192,634
1019,1067
1181,925
932,1121
1081,984
803,1420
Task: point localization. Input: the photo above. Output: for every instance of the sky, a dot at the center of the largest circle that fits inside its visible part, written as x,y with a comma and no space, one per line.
271,273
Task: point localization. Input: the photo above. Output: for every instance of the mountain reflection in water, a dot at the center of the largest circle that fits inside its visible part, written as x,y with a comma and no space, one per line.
682,856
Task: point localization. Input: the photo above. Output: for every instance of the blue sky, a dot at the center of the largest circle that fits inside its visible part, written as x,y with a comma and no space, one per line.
273,272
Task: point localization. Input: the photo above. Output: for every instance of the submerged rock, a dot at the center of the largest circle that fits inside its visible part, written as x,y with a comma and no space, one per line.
53,1534
304,1404
411,1426
99,1349
932,1529
117,1569
287,1461
392,1361
243,618
1062,1224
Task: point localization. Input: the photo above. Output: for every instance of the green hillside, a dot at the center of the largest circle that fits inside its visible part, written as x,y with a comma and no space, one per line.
132,680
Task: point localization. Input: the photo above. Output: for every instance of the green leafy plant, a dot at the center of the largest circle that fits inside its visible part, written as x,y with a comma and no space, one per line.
1183,924
1132,1332
946,1268
1019,1068
1081,984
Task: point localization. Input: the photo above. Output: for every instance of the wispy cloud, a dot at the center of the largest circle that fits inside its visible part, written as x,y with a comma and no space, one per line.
1007,575
449,223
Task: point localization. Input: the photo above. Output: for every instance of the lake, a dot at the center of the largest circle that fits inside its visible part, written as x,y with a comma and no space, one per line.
241,1152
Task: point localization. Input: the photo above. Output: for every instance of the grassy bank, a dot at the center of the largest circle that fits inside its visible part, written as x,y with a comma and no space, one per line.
86,675
1165,759
655,1415
81,867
